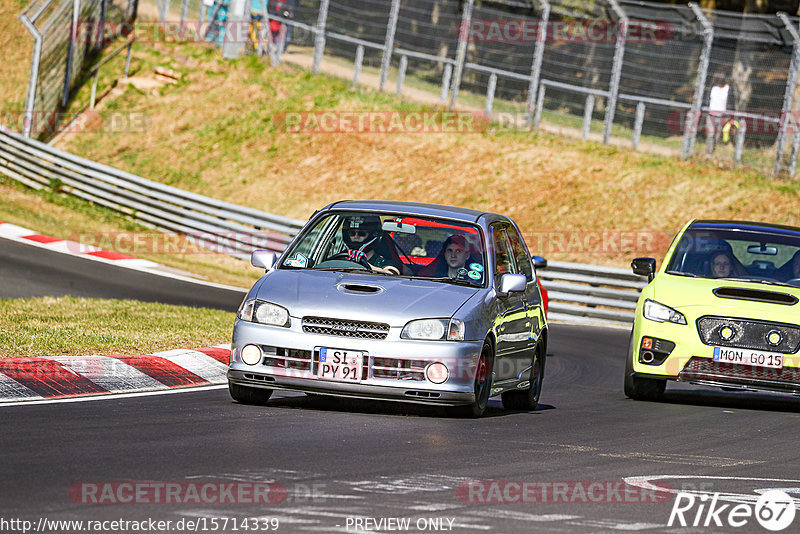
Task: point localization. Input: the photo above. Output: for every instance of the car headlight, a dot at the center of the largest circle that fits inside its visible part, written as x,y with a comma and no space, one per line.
434,329
259,311
655,311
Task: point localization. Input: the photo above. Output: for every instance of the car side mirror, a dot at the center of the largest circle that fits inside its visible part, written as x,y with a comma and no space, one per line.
539,262
263,259
644,267
511,283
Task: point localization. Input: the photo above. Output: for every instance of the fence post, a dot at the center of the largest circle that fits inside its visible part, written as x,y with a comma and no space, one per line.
401,73
788,96
163,9
795,148
490,89
73,37
537,112
184,12
388,43
587,116
357,64
446,75
231,45
616,70
536,67
36,57
461,53
692,122
637,125
103,11
319,38
739,144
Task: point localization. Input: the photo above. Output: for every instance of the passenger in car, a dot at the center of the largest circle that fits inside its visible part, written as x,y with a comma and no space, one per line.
791,269
453,260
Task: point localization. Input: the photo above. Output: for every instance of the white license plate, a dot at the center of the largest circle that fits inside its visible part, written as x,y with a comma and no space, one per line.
338,364
755,358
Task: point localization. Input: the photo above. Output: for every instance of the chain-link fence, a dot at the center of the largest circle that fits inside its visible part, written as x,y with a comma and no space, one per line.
67,34
674,78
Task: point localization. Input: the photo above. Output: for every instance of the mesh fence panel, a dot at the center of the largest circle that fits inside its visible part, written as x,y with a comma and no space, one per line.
362,19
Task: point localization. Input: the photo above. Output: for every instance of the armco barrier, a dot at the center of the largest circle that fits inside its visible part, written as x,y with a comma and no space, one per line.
223,226
577,291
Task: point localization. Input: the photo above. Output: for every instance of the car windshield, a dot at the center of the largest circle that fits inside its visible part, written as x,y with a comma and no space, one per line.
757,256
392,244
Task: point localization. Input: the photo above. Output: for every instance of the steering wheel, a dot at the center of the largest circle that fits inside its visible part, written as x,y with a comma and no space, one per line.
345,256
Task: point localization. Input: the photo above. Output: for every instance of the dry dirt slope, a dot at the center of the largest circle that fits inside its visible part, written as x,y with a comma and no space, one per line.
214,133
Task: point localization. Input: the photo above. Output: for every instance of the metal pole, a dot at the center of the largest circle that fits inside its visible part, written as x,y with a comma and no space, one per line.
231,45
739,145
788,95
446,75
461,53
536,68
184,12
101,38
795,148
319,38
128,59
30,99
616,73
490,89
94,87
73,36
388,43
357,65
637,124
401,74
692,122
537,113
587,116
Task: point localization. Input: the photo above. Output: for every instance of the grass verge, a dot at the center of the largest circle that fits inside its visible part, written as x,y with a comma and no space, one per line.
67,325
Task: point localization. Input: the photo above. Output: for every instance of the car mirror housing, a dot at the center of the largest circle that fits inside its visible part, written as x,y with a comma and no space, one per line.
539,262
511,283
644,267
263,259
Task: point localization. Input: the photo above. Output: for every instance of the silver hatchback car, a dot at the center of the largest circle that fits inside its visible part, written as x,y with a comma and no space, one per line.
395,301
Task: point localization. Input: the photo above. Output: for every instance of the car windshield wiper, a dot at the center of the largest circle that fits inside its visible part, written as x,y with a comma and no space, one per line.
682,273
757,280
448,280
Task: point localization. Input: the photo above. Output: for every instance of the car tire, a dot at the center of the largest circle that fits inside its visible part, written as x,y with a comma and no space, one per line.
482,386
528,399
638,388
248,395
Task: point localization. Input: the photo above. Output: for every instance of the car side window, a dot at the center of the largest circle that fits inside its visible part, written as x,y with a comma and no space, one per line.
521,256
503,262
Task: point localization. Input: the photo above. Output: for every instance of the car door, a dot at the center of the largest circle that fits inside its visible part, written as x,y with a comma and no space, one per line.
512,326
533,297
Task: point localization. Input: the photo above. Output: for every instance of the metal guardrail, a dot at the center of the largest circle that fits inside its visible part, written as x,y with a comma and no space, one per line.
588,293
591,293
221,226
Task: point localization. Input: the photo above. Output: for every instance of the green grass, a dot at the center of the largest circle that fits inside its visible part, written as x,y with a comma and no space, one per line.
69,325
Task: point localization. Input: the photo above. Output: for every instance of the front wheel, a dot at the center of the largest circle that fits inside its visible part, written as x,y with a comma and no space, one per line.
638,388
248,395
482,386
527,399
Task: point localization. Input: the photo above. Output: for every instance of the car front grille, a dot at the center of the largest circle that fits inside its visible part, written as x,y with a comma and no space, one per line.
345,328
286,358
748,334
706,369
398,369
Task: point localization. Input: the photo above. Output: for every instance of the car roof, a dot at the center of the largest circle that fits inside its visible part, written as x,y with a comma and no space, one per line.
745,226
415,208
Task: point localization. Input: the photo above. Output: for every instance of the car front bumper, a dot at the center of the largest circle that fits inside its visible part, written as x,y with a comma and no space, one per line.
393,368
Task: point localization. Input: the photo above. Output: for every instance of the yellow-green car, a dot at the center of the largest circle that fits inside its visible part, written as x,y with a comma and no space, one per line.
722,310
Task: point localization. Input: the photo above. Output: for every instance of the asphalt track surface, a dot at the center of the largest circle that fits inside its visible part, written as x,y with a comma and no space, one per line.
345,465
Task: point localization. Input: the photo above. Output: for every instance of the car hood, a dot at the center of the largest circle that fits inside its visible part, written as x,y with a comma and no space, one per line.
356,296
703,296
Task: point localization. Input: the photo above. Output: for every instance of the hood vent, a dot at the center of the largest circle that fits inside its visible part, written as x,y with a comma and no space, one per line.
757,295
359,288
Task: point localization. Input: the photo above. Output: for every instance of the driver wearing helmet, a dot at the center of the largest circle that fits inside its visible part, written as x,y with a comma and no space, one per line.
362,235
